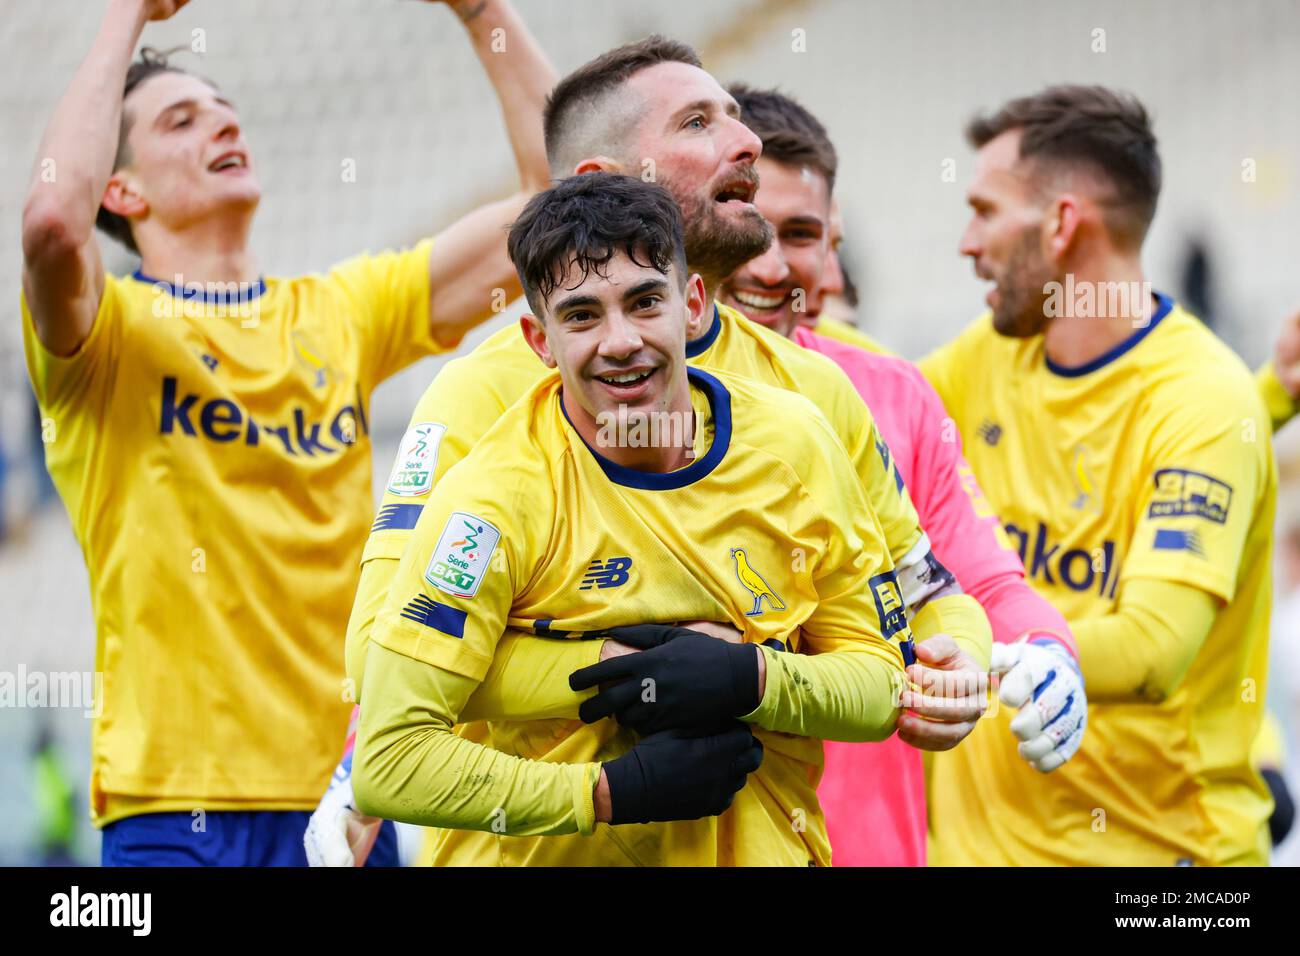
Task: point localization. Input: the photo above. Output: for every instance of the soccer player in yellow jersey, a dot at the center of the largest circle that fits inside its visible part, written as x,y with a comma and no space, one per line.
641,106
211,440
1127,451
560,519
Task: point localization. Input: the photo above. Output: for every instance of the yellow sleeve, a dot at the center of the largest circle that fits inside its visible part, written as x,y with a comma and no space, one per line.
842,684
410,767
1141,650
961,618
954,366
1207,467
450,417
388,298
1281,406
529,679
84,378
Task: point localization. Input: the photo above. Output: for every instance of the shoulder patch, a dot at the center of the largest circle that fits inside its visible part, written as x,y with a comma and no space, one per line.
417,459
1180,492
462,555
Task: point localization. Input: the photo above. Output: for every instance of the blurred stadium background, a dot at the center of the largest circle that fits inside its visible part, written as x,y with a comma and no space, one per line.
395,87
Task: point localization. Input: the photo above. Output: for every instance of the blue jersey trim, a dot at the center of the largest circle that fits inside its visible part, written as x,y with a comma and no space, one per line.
1164,307
396,517
702,344
719,403
202,295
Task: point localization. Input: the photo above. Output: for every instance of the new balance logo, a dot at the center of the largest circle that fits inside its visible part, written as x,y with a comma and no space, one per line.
990,431
610,574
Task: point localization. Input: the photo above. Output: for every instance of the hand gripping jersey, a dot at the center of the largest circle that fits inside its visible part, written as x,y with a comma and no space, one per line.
213,452
1151,463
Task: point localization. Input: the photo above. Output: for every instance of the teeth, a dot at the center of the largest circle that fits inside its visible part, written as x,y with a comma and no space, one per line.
228,162
625,379
758,301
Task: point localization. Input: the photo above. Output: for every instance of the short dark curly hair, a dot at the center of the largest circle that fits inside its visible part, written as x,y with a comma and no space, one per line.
581,223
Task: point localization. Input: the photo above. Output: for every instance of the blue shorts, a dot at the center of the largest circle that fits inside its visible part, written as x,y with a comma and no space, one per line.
228,838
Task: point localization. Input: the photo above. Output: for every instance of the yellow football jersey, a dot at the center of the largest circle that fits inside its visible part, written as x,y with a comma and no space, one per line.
1152,462
470,393
213,453
849,335
535,530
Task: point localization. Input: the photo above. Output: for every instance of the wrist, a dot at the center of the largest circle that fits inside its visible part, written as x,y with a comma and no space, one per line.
601,802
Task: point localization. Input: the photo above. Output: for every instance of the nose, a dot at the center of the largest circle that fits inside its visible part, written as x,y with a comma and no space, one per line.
619,337
971,243
744,144
833,275
227,124
770,268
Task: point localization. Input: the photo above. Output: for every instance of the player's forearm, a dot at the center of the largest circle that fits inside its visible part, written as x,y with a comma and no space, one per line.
77,151
522,77
1015,609
961,618
410,767
529,679
1140,652
847,694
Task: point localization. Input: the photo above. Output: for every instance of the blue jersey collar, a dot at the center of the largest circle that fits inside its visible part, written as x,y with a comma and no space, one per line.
720,406
197,293
702,344
1164,305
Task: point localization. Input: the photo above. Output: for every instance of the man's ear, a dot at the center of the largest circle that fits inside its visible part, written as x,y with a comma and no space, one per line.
597,164
535,335
1062,224
699,311
121,198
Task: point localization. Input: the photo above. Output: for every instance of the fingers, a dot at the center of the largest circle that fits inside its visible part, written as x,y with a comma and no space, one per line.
932,735
947,696
1019,683
610,701
938,650
644,636
616,668
750,760
1004,657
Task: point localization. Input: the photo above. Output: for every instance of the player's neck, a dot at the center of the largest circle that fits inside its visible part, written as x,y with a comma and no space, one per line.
711,287
1095,310
211,251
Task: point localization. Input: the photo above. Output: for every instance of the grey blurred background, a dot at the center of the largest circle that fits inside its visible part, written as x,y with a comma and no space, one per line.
395,86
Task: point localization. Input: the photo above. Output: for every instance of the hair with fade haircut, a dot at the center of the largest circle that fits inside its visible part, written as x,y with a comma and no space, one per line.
1094,127
151,63
572,230
791,135
579,111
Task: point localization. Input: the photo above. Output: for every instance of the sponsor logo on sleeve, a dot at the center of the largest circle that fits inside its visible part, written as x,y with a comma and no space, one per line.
417,459
889,604
461,558
1180,492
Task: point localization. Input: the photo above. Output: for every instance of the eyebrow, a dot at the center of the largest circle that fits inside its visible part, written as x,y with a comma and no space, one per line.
804,221
582,300
573,302
188,103
732,108
644,286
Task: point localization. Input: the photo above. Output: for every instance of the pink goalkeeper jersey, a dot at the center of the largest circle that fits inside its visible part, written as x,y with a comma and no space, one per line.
873,795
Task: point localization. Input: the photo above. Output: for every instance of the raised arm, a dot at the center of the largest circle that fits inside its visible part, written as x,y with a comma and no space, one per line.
468,263
63,274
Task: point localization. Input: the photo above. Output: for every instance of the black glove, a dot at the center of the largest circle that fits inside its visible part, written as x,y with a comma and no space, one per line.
699,682
674,776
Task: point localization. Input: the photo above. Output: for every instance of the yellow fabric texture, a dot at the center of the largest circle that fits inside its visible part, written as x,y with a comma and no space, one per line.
1151,464
213,453
538,511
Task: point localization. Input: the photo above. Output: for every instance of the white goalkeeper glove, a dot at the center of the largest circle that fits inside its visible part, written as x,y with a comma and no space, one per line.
1042,678
337,835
